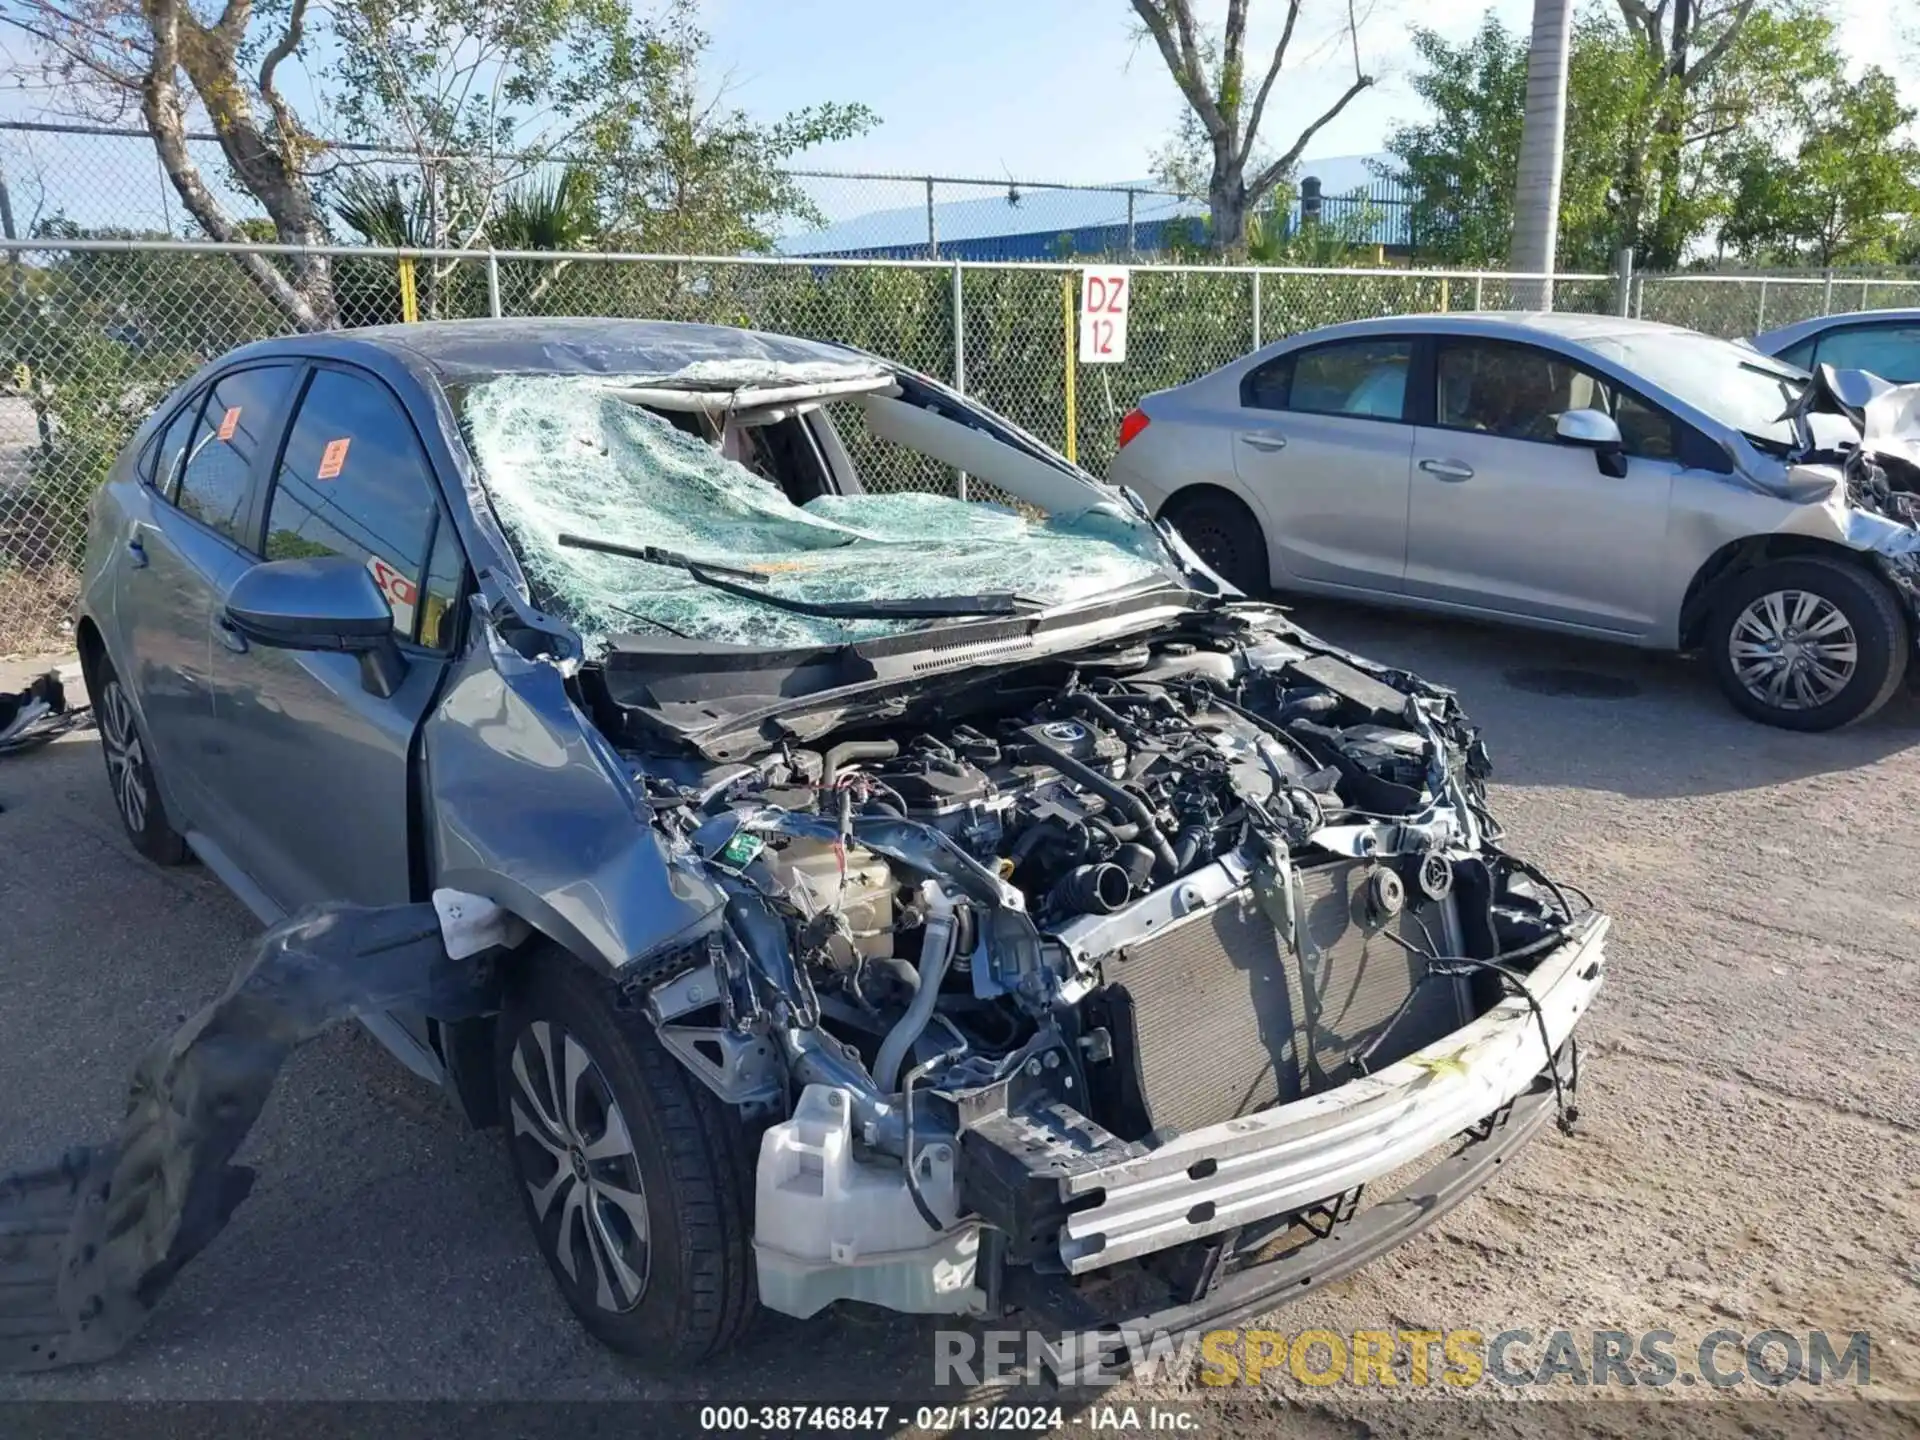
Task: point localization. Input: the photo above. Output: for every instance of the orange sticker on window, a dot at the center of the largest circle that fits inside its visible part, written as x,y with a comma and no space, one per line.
333,459
229,422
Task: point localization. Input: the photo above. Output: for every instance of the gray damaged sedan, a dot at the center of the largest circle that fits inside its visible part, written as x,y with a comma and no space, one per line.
1589,474
831,895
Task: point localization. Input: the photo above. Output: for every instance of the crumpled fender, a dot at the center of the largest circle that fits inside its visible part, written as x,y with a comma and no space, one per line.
90,1243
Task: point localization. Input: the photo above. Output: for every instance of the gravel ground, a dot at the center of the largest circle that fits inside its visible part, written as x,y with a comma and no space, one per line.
1746,1156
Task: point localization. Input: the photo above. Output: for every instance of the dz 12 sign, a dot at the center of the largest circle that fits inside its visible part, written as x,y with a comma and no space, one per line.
1104,296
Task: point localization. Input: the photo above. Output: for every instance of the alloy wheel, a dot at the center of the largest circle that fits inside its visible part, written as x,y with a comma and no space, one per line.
579,1165
1793,649
126,757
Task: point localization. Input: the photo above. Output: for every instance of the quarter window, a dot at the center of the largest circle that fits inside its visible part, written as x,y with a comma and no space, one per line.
1363,378
243,411
353,482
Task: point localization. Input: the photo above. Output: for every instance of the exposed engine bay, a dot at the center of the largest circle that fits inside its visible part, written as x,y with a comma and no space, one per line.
1030,928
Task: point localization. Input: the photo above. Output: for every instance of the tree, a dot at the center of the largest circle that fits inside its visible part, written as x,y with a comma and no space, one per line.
135,55
681,170
1211,74
474,96
1707,69
1847,193
1462,162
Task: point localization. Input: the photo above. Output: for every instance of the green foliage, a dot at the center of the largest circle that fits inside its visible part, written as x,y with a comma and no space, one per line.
1651,161
682,172
101,338
1848,193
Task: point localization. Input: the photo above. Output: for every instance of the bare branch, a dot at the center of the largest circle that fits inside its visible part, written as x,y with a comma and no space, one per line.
1273,72
1705,65
289,42
1191,80
1279,169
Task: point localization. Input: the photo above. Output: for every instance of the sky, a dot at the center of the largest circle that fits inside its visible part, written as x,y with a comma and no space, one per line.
1062,90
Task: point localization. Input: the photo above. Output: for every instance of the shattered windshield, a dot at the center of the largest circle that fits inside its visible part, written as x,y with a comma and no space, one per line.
570,455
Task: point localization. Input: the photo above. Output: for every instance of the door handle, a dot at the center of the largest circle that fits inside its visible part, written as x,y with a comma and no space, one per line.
1264,440
1447,469
230,635
137,553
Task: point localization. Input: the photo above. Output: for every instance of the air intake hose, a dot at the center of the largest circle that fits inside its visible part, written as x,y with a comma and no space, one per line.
1136,809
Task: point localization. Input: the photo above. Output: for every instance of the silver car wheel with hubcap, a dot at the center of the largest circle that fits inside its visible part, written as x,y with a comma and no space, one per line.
1793,649
126,759
579,1166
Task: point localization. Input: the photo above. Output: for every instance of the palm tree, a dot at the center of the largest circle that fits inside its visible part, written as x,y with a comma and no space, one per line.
1536,193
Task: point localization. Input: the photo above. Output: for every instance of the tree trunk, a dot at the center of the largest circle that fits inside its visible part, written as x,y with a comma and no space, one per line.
1227,210
1536,197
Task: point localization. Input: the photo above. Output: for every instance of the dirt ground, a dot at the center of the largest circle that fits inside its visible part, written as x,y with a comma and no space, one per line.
1746,1157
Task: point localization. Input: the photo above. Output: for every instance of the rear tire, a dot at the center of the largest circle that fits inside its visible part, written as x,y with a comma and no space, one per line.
1808,643
636,1180
1223,532
129,759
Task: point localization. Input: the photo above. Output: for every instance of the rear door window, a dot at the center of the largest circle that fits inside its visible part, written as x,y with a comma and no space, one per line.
1361,378
354,481
242,413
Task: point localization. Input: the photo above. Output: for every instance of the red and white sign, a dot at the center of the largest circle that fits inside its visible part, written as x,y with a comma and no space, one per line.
1105,294
402,594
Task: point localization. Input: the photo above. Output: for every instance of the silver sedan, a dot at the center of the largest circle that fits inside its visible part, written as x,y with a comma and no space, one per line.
1590,474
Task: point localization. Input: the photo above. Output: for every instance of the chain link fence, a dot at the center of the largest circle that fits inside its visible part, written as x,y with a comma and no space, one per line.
1733,306
95,333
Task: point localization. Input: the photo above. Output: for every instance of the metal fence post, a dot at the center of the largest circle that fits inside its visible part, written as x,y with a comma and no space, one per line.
1479,292
1863,293
1623,281
960,348
493,283
1256,309
1760,321
1132,250
933,233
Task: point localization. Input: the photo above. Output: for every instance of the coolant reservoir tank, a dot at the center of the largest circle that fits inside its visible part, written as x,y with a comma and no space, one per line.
810,870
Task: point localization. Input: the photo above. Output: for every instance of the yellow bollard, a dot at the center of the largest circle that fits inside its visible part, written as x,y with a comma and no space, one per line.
409,300
1073,419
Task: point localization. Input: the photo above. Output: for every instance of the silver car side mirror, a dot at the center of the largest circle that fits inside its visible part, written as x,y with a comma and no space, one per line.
1597,431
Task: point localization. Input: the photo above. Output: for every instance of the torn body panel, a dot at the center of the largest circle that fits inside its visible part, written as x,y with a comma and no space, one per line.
533,810
89,1245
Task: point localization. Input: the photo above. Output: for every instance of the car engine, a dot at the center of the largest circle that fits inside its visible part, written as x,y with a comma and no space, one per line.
1065,916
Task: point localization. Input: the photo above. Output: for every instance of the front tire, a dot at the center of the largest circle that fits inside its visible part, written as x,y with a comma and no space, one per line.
1224,533
636,1180
129,759
1808,644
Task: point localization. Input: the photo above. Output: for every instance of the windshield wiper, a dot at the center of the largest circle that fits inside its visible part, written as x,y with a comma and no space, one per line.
729,578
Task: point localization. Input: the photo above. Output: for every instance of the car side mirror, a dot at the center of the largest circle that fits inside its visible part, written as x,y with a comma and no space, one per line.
1597,431
324,603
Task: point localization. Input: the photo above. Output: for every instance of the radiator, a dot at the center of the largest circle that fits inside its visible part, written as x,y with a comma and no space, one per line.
1217,1019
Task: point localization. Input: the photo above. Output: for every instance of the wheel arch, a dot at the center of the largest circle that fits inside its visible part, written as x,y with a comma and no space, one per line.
1739,557
92,646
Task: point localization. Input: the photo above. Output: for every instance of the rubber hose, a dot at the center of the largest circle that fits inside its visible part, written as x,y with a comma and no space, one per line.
936,953
855,750
1124,799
